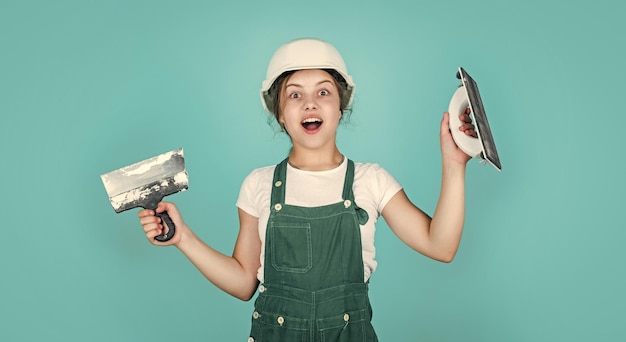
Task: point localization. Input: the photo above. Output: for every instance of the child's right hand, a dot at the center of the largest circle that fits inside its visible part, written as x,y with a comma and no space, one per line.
153,225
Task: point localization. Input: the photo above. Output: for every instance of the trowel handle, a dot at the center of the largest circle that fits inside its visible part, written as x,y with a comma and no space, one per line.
171,228
458,104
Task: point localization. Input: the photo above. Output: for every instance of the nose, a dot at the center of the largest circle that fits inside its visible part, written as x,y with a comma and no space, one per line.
310,103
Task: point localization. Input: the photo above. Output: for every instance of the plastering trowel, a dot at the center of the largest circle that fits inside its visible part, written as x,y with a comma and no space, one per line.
144,184
467,95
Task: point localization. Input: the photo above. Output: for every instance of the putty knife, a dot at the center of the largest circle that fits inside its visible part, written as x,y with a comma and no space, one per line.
467,95
144,184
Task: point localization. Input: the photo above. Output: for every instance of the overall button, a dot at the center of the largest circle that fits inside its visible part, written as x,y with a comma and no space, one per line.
255,315
347,203
278,183
250,339
261,288
280,320
278,206
346,317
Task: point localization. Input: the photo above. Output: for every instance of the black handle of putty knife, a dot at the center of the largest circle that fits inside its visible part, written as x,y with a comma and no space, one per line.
171,228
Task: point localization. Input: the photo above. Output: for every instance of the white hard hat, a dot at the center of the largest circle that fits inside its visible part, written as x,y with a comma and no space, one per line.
301,54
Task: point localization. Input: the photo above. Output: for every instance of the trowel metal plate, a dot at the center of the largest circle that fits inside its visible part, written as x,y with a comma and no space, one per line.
489,151
145,183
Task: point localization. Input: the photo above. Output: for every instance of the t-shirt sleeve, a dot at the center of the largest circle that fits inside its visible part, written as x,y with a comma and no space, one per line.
375,187
247,194
388,186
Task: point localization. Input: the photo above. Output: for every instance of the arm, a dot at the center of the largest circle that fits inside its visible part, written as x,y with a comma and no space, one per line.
437,237
236,274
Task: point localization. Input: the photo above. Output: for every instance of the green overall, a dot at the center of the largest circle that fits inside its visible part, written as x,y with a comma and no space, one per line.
313,287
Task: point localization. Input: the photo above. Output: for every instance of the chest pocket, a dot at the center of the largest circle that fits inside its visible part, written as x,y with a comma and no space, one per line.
291,249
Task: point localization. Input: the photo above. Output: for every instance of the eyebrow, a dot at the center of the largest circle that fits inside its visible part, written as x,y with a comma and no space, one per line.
300,86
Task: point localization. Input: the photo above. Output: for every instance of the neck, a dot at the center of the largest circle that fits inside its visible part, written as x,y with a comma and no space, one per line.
315,160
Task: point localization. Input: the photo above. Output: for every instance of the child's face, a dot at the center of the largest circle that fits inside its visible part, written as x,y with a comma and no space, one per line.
310,108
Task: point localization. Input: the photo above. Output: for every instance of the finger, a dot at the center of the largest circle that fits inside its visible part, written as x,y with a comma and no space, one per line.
153,228
465,118
466,126
470,132
166,206
468,129
145,213
150,220
161,207
445,122
150,235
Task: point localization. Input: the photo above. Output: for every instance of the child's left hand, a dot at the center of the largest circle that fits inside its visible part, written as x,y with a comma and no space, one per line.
449,150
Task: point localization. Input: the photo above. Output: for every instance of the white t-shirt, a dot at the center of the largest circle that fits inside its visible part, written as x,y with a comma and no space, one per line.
373,187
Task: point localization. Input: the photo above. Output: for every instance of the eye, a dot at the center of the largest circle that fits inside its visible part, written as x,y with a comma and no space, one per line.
294,96
324,92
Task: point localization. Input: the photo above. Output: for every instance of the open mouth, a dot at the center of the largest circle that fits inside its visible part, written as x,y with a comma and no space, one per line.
311,124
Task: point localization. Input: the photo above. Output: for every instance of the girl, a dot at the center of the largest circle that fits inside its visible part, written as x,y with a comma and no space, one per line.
306,236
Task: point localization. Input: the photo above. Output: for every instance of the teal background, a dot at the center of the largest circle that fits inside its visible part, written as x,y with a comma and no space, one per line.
89,86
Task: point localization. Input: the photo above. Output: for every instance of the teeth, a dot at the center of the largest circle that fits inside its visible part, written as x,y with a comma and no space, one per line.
311,120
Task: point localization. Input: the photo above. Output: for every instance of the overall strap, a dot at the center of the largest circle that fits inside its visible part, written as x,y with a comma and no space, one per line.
348,194
278,188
